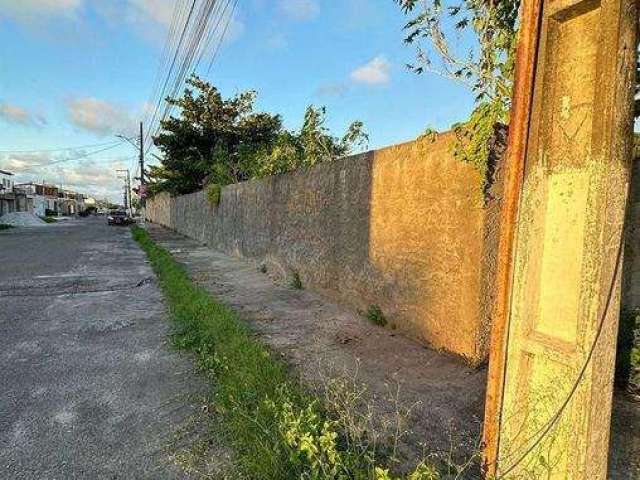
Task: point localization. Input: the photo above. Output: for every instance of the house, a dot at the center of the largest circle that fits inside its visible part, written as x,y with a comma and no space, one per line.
70,203
7,196
50,194
40,201
25,196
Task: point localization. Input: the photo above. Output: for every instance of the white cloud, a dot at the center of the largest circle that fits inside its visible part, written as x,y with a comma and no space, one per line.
277,41
100,117
332,90
94,177
301,10
376,72
235,30
24,162
31,10
159,11
19,115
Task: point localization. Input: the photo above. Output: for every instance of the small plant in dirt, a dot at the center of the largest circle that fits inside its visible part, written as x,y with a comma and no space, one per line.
296,281
375,316
262,268
214,192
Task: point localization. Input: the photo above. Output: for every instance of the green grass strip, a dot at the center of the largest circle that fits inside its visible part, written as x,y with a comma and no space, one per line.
277,428
246,376
5,226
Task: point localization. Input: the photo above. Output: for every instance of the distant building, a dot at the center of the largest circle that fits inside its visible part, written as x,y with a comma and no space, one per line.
50,194
7,196
40,200
70,203
24,195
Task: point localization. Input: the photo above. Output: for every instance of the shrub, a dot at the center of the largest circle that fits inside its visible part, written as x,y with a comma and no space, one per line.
214,193
375,316
296,281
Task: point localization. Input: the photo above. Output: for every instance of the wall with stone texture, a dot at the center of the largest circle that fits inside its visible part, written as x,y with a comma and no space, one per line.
404,228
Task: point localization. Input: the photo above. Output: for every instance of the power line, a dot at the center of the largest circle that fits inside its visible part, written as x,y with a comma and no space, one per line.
173,62
86,155
43,150
207,21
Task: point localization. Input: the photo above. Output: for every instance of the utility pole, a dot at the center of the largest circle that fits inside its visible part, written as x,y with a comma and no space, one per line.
139,145
127,189
142,191
549,393
142,180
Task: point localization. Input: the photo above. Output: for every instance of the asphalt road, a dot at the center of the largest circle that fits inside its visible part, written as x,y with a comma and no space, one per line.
89,387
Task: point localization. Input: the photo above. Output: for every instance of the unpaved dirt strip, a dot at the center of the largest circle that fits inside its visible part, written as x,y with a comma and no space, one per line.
90,388
322,338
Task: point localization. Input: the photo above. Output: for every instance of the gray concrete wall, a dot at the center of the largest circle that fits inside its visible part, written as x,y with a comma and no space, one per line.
404,228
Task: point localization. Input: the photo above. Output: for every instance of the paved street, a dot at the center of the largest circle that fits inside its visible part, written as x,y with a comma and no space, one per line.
89,387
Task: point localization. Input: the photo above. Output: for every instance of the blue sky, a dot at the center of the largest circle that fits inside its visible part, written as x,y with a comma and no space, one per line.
76,72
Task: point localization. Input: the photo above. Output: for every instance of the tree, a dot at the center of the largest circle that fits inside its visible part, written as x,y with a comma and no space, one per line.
213,139
313,144
218,141
487,31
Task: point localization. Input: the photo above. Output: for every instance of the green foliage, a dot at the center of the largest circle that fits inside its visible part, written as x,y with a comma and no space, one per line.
214,192
212,139
486,67
296,281
430,134
5,226
47,219
473,136
375,316
628,357
277,428
224,141
485,62
313,144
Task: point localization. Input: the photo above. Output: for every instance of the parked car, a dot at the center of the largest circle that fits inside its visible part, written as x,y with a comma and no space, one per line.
118,217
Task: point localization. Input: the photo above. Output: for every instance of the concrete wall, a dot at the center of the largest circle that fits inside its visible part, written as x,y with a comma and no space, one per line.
404,228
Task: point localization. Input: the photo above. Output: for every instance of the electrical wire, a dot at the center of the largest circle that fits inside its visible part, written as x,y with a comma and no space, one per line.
206,23
62,149
65,160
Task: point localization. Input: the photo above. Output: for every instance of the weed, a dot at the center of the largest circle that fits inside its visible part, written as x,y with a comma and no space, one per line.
5,226
262,268
49,219
296,281
214,192
375,316
278,429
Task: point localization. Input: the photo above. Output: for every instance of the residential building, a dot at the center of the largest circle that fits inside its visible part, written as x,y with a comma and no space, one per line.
7,196
70,203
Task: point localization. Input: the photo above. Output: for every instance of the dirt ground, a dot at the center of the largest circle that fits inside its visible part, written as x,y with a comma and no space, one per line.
320,338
